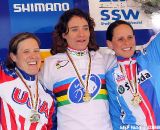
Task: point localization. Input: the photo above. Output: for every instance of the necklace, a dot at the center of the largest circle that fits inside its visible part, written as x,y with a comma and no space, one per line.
137,99
35,117
86,96
77,53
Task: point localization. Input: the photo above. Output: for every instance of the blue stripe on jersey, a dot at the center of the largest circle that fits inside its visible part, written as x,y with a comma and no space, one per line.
150,93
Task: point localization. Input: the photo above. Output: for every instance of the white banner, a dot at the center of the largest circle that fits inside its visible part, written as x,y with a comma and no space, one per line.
106,11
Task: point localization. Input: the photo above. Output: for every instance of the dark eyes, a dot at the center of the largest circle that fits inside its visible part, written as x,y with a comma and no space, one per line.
28,51
75,29
123,39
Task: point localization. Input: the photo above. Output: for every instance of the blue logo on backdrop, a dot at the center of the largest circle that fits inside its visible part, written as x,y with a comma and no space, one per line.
36,16
117,14
76,90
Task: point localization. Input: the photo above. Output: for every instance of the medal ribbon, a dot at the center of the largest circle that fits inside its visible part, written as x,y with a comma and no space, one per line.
79,77
130,72
33,105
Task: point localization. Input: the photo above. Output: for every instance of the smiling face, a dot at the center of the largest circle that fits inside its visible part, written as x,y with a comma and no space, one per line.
78,33
28,56
123,41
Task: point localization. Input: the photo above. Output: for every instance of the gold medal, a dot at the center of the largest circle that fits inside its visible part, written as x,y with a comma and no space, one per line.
86,97
137,99
35,117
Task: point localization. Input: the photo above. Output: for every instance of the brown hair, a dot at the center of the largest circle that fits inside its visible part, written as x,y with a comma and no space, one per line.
112,26
13,46
60,44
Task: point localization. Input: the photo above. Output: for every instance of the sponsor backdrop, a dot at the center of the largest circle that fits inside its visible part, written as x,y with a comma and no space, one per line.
40,17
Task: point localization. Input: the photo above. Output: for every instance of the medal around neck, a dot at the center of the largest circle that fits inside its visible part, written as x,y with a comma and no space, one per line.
35,117
137,99
87,97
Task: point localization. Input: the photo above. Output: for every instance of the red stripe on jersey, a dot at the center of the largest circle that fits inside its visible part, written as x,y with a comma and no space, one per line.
61,88
103,81
144,109
12,117
33,126
50,121
22,121
128,71
4,124
44,127
5,77
147,109
0,110
126,59
131,69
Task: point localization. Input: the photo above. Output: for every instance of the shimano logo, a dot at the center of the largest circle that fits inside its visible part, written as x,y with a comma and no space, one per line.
40,7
